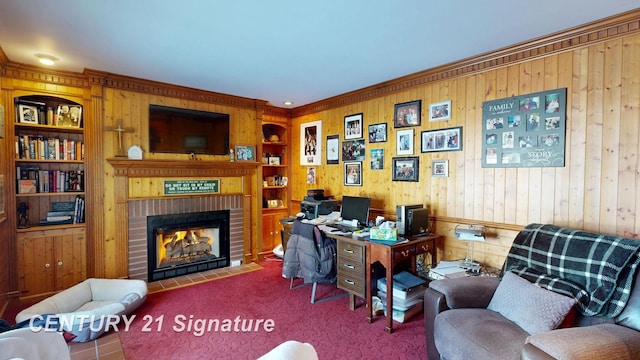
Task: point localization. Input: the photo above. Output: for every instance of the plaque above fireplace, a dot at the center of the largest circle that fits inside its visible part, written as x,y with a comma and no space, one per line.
186,243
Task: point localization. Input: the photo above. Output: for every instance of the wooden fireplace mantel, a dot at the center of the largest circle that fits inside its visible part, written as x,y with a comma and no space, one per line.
175,168
125,169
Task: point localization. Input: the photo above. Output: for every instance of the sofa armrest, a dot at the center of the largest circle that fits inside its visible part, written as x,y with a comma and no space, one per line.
447,294
466,292
585,343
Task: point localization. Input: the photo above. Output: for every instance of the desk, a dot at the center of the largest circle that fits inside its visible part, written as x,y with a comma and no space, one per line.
388,256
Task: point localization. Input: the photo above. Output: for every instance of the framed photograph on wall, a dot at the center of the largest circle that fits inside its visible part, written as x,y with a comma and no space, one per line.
378,133
404,142
440,111
440,168
310,146
353,173
27,114
377,159
245,153
353,150
353,126
333,149
441,140
405,168
407,114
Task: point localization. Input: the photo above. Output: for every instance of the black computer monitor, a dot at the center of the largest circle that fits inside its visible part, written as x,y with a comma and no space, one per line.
355,208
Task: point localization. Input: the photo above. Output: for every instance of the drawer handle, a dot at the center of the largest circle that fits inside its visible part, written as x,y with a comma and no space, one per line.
350,282
349,266
425,247
348,251
405,253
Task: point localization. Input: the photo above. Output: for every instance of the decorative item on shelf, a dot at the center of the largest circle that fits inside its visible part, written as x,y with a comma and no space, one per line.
470,234
265,158
274,138
23,217
28,114
232,156
245,153
119,129
69,116
274,160
135,152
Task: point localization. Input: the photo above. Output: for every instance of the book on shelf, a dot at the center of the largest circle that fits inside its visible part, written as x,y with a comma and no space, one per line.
27,186
49,181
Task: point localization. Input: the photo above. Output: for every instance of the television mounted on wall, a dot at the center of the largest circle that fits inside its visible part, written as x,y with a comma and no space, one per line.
184,131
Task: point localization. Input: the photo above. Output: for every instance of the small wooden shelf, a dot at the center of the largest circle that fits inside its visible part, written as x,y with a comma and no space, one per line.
57,193
43,161
50,227
49,128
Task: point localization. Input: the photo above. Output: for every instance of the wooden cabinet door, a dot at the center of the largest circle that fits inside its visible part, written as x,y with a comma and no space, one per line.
70,260
268,232
35,265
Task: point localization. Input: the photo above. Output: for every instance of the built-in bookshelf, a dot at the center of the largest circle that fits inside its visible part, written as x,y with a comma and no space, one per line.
49,144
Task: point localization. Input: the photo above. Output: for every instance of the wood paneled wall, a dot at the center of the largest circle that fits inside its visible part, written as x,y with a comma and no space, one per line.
597,190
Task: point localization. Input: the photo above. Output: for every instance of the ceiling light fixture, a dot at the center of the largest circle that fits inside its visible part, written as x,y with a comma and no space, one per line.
46,59
288,103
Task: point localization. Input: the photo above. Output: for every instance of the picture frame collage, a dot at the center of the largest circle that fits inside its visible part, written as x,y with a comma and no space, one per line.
353,148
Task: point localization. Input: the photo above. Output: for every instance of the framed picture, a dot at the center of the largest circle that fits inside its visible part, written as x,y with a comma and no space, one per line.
405,168
333,149
440,111
377,159
353,126
407,114
246,153
311,175
353,173
440,168
311,148
28,114
69,116
404,142
353,150
378,133
274,160
441,140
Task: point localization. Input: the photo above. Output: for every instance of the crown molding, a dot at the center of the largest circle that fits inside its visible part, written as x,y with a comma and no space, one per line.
617,26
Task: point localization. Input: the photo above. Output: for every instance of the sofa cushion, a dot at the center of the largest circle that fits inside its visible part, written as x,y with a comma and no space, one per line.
630,316
532,308
478,334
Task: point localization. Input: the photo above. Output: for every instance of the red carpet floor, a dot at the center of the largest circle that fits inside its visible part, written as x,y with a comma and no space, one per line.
167,326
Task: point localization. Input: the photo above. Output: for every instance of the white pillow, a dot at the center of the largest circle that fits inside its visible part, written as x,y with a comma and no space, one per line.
531,307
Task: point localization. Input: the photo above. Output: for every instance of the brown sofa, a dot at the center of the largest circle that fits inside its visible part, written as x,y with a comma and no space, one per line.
490,318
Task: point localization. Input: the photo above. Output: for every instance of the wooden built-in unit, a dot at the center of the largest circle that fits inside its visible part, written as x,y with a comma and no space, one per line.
597,189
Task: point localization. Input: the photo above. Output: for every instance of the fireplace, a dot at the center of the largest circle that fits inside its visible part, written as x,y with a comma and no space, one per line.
186,243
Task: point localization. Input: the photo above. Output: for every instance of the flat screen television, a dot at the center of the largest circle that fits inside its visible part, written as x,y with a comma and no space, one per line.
174,130
355,208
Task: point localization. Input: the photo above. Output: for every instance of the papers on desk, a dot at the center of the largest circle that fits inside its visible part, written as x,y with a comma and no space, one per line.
329,229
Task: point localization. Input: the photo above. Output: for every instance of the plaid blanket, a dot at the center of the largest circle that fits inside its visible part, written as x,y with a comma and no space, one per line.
598,270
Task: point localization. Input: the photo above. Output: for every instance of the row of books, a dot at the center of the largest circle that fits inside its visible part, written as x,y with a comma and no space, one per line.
71,212
37,147
31,180
408,290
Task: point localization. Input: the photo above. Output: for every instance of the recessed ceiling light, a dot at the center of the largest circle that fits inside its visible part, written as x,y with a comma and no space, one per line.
288,103
46,59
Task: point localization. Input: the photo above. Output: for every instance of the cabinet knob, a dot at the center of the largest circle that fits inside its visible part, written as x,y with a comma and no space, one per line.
47,265
59,263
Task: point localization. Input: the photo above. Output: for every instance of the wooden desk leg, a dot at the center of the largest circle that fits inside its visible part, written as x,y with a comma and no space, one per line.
369,291
352,302
389,317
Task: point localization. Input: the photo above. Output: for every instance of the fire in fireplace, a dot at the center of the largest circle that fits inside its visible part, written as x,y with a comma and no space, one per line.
180,244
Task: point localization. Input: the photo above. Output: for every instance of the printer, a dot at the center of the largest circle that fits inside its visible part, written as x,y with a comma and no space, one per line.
316,204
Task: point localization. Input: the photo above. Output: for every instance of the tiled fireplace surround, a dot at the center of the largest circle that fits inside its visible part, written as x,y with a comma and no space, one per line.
140,209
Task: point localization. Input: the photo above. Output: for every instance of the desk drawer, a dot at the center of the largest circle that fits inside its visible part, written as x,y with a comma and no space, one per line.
351,281
404,253
353,253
